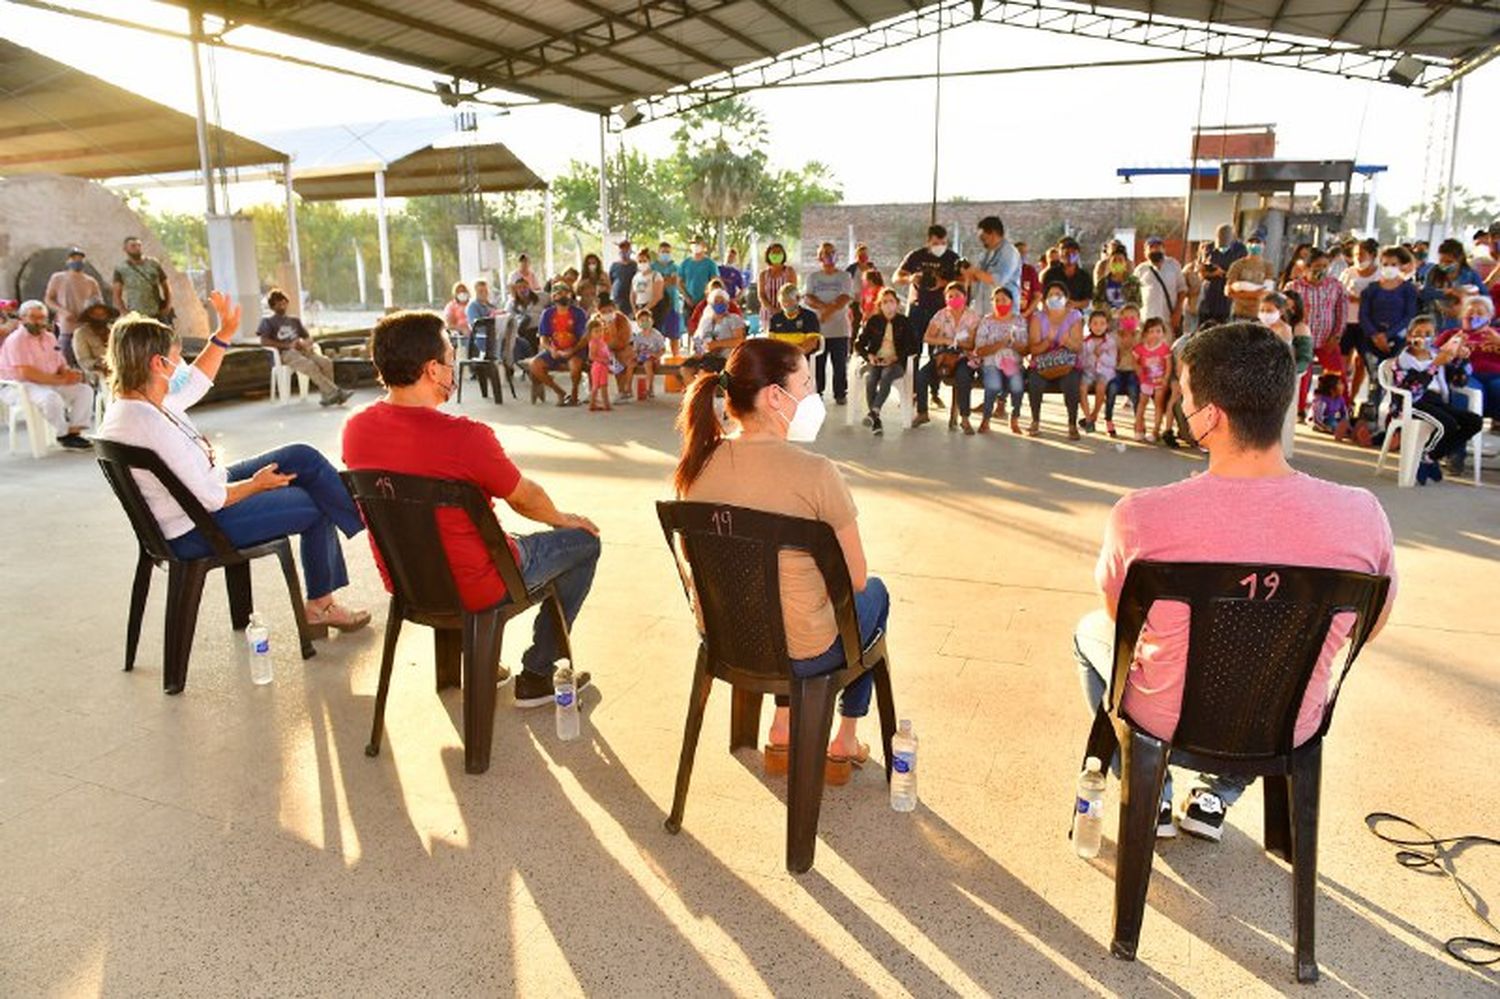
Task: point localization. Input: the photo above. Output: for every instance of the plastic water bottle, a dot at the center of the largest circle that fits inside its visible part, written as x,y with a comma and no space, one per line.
904,768
259,638
1088,816
566,698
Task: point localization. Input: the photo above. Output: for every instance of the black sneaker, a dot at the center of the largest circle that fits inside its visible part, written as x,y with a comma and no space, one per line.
1165,829
75,442
841,401
875,426
1203,815
534,690
1169,439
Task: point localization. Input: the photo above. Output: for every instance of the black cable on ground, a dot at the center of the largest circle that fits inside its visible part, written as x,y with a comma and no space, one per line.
1438,854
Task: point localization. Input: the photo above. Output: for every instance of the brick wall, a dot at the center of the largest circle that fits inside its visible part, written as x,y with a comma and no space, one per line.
893,230
39,211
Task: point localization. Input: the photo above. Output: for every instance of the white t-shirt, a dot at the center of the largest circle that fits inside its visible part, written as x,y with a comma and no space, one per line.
1355,284
179,445
1157,302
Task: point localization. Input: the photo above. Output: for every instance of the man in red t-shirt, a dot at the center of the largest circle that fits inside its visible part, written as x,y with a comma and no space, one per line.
406,433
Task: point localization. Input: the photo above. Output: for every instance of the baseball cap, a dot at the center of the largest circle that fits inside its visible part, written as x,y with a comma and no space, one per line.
76,252
1153,240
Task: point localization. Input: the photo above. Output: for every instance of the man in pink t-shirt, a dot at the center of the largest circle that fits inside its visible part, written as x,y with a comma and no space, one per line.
31,358
1250,506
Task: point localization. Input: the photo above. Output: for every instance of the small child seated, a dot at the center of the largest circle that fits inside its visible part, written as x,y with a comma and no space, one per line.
1330,410
1097,360
1153,364
650,346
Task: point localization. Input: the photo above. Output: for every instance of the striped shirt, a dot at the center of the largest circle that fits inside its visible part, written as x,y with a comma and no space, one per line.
1324,304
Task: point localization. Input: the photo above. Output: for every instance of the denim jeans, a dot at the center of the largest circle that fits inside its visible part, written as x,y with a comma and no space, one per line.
1490,386
871,607
997,383
567,558
879,380
315,506
836,352
1123,381
1093,648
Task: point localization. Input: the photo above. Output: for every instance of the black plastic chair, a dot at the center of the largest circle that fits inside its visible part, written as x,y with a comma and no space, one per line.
733,564
485,367
185,577
1255,636
401,513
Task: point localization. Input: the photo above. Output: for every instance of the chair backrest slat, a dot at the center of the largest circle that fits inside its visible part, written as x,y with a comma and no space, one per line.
1256,633
733,557
118,461
401,512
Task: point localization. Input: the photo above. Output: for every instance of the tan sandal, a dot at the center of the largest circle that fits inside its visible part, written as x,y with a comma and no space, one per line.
774,760
337,617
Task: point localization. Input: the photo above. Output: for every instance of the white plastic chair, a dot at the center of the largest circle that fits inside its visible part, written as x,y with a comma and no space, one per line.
21,408
102,398
1416,427
1473,397
901,395
281,379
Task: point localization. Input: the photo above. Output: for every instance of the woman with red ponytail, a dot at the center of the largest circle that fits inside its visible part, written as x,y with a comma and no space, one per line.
770,396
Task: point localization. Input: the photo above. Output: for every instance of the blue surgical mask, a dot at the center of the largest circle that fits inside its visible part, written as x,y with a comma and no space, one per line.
75,265
181,375
1255,249
721,307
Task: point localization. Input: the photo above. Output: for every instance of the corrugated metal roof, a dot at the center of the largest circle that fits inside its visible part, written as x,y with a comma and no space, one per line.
600,54
431,170
56,119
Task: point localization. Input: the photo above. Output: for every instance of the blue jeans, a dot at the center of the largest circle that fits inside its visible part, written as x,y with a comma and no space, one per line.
567,558
1126,382
1093,648
998,383
836,352
315,506
1490,385
878,382
871,607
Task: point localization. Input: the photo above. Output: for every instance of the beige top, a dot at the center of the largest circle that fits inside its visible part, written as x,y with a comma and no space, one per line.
68,292
777,477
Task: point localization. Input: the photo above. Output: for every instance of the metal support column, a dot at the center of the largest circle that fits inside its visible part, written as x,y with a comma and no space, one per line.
387,297
1370,206
294,242
204,161
1458,107
603,191
547,233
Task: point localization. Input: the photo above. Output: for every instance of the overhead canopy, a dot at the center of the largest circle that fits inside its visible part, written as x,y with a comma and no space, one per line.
600,55
55,119
486,168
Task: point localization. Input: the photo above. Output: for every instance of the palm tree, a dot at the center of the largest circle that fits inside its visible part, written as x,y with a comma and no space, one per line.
722,184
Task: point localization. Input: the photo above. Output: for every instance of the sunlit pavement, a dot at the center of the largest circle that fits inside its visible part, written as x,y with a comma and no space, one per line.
236,840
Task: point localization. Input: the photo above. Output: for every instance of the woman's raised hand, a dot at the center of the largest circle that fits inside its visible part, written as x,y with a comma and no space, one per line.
229,315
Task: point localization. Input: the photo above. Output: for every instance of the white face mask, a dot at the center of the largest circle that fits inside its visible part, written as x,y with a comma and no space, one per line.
1390,272
1270,317
938,249
1056,302
805,423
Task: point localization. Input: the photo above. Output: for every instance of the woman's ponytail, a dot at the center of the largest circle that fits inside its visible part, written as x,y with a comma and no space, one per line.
701,430
753,365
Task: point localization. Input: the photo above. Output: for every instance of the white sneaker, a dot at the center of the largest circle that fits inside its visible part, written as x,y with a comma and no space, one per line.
1202,815
1165,829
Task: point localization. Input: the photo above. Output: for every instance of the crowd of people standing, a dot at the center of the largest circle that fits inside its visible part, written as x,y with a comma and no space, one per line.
1021,327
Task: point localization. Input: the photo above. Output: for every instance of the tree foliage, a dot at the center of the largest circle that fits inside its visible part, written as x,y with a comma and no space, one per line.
1470,210
717,176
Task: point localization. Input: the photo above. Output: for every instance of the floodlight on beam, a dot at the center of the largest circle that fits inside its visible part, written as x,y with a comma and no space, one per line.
1407,70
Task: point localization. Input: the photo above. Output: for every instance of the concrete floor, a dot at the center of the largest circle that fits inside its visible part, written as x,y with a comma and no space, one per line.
236,840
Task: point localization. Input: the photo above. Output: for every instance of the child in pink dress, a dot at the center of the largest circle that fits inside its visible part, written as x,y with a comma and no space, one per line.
1153,360
599,361
1097,358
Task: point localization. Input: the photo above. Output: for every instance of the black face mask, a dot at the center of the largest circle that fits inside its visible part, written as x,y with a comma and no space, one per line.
1157,256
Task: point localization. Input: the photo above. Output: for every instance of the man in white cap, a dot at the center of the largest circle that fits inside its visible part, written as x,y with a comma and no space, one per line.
32,357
